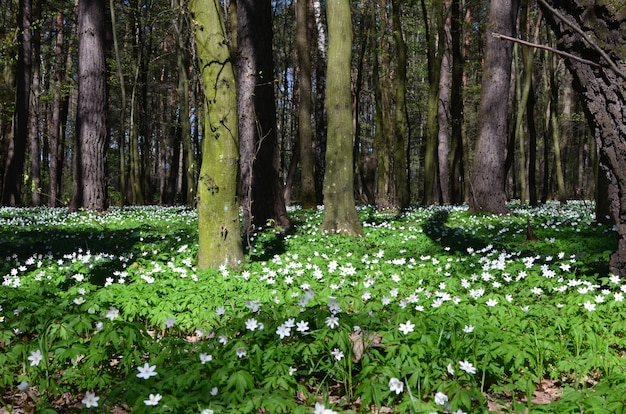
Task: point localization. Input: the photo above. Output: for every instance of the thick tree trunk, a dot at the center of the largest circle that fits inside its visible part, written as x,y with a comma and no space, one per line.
14,163
596,31
218,208
443,110
487,193
90,186
340,214
262,189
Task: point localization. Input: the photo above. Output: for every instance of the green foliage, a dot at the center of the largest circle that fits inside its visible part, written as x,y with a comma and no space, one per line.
440,300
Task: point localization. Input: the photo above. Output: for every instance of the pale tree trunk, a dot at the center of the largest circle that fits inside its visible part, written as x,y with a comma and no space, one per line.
218,209
488,179
555,129
14,162
340,214
89,190
443,109
457,168
305,127
596,32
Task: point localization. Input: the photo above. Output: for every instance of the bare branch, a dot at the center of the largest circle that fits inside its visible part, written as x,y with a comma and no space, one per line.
548,48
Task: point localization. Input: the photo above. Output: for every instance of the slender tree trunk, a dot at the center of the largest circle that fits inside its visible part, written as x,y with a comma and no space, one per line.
89,190
122,128
400,120
14,164
218,208
443,109
305,127
34,119
55,132
320,97
340,214
457,168
488,171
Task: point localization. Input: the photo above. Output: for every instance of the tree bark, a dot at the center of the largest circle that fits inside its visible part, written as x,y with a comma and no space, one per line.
33,119
401,127
14,163
457,167
340,214
218,209
89,189
595,30
262,189
488,179
305,127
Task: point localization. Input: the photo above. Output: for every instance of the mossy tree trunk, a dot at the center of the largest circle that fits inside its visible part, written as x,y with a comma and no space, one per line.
340,214
218,210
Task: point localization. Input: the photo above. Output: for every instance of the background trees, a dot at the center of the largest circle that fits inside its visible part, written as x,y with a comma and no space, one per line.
415,104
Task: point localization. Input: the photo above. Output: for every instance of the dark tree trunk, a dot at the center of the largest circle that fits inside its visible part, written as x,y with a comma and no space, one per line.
457,167
91,135
14,164
305,127
262,189
488,176
603,91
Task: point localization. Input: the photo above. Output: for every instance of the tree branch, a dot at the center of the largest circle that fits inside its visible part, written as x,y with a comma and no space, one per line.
548,48
578,30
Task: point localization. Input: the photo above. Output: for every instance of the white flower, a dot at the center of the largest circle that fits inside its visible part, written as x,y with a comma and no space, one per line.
79,301
147,371
220,311
441,399
590,306
241,352
206,411
90,400
337,354
492,302
169,322
153,399
283,331
333,322
35,358
619,297
23,386
113,313
407,327
292,370
450,369
396,385
223,339
252,324
204,358
302,326
468,328
467,367
321,409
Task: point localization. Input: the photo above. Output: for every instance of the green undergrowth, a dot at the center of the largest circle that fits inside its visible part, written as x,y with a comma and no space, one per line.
433,310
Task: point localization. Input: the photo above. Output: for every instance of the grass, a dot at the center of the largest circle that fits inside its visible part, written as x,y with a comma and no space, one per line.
434,310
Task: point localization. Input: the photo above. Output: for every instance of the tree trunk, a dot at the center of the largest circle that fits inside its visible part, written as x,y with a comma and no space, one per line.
262,189
33,119
14,163
434,30
56,127
340,214
305,127
90,185
487,193
457,167
443,109
400,119
603,91
218,209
